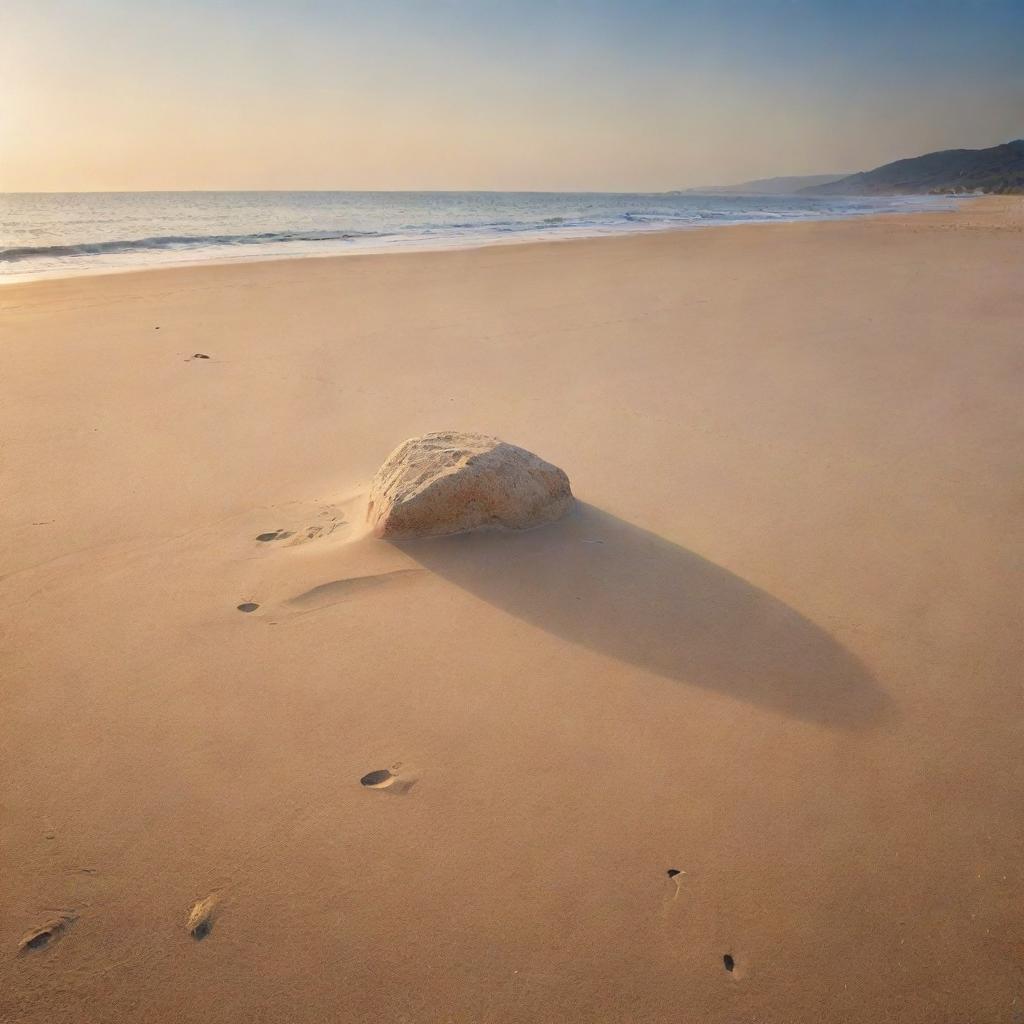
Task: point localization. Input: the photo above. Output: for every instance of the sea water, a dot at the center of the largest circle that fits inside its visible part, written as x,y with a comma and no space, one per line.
59,234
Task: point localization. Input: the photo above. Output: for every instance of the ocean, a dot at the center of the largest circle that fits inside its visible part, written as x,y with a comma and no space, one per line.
61,234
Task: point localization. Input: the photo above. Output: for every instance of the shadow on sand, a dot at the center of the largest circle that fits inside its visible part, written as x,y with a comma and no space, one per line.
615,588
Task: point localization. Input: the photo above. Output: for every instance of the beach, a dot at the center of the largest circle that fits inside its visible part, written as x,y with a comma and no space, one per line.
775,649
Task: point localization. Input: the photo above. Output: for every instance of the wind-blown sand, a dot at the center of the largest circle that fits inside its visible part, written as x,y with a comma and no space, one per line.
777,649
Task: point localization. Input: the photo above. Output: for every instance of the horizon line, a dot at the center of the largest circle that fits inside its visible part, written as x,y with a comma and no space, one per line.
521,191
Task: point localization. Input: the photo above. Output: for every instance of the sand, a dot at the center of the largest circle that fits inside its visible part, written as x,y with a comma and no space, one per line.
777,649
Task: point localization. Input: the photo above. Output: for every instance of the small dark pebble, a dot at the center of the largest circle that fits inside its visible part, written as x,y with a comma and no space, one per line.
200,355
672,872
728,961
381,775
249,606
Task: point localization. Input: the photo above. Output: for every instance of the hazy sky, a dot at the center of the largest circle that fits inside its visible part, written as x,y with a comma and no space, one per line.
564,94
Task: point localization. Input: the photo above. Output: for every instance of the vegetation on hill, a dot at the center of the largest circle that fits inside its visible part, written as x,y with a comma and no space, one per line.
998,169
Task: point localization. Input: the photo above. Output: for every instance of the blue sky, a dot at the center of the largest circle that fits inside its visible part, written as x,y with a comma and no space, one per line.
459,94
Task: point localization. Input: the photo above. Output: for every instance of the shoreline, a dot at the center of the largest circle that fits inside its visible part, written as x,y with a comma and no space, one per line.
938,204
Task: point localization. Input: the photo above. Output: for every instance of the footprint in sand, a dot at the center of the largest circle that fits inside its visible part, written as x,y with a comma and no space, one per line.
331,519
266,538
48,932
675,875
389,780
378,779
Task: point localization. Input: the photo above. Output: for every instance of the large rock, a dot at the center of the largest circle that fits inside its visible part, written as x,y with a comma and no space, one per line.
449,482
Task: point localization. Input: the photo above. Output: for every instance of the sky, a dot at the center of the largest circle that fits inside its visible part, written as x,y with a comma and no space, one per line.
601,95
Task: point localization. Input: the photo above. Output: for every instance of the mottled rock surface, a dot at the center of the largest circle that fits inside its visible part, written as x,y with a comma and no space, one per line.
451,482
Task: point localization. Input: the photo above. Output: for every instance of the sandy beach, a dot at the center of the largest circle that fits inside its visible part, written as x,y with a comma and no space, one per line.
776,649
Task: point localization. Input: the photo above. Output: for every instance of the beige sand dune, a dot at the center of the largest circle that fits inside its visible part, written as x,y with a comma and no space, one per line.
775,650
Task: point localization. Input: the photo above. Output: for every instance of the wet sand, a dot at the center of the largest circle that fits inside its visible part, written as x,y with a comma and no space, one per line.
776,649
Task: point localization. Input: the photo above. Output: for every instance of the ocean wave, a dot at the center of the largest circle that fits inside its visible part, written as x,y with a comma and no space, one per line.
520,224
651,217
159,243
68,234
410,232
170,242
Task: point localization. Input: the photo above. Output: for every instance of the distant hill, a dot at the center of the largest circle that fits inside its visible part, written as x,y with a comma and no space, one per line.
765,186
998,169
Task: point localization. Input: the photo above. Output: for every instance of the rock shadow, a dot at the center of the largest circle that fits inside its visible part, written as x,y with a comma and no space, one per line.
623,591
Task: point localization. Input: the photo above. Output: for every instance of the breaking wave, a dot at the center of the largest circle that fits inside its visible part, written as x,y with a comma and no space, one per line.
177,242
73,233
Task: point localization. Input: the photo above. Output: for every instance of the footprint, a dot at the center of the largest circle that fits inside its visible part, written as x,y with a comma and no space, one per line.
335,520
326,519
200,918
676,877
385,778
378,779
248,606
46,933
